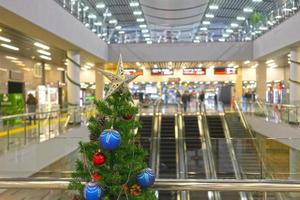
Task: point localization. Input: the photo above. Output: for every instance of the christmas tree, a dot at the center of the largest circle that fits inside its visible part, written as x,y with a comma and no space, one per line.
113,163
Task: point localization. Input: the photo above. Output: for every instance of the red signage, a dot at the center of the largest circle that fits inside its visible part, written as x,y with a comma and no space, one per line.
194,71
133,72
162,71
225,71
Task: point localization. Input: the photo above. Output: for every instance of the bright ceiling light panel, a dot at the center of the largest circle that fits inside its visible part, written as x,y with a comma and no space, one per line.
247,62
90,64
134,4
214,7
240,18
221,39
149,42
143,26
45,57
121,32
145,31
270,61
107,14
140,19
206,22
10,47
60,69
248,10
4,39
118,27
100,5
137,12
229,30
234,25
225,35
44,52
196,41
11,58
92,16
203,29
98,23
45,47
208,15
113,21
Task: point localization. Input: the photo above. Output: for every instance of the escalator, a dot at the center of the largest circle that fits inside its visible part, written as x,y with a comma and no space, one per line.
167,154
145,134
194,154
245,151
223,164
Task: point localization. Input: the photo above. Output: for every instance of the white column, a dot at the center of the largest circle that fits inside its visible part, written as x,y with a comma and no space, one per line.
73,84
261,79
99,84
295,77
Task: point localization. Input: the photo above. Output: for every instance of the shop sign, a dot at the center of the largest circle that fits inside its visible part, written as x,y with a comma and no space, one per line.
225,71
162,71
133,72
194,71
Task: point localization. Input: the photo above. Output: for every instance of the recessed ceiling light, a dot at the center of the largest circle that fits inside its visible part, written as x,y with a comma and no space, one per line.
140,19
41,46
113,21
94,30
221,39
248,10
145,31
138,64
104,34
206,22
44,52
254,66
240,18
107,14
98,23
4,39
92,16
118,27
60,69
203,29
263,28
146,35
149,42
229,30
234,25
86,8
137,12
90,64
87,24
257,0
208,15
196,41
121,32
214,7
48,68
100,5
11,58
225,35
10,47
134,4
270,61
247,62
45,57
147,39
143,26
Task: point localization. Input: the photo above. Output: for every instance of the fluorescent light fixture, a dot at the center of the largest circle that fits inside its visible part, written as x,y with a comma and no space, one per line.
118,27
247,38
140,19
48,68
98,23
41,46
197,37
214,7
104,34
287,9
44,52
90,64
208,15
11,58
143,26
10,47
100,5
147,39
107,14
270,23
247,62
4,39
134,4
229,30
263,28
26,69
234,25
257,0
270,61
145,31
278,16
273,65
87,24
60,69
113,21
196,41
17,61
0,30
121,32
146,35
203,29
86,8
221,39
149,42
138,64
92,16
45,57
248,10
137,12
206,22
240,18
225,35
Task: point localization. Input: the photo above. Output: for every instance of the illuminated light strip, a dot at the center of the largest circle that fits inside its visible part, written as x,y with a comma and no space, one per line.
10,47
4,39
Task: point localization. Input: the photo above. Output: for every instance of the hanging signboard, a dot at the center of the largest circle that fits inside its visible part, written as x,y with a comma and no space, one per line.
162,71
194,71
133,71
225,71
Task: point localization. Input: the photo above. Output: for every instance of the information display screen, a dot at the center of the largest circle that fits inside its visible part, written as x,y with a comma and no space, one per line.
162,71
133,72
194,71
225,71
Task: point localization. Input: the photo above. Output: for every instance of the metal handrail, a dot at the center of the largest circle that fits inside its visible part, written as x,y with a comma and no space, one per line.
171,185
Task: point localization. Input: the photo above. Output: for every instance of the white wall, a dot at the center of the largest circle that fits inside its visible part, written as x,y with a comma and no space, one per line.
248,74
274,74
216,51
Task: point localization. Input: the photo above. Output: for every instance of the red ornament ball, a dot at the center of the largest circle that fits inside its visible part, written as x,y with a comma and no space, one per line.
99,158
127,117
96,177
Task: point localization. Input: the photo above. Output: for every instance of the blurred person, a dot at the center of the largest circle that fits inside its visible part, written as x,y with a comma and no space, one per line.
178,96
185,98
31,107
201,97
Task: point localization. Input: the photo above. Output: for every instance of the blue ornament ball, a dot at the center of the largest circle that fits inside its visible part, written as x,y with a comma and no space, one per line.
146,178
110,139
92,191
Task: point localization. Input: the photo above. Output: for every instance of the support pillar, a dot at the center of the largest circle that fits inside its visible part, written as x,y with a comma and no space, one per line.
43,74
239,85
73,85
294,79
261,80
294,168
99,84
